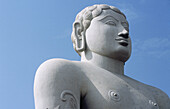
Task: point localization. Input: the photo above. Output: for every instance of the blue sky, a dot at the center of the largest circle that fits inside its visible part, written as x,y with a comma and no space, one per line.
32,31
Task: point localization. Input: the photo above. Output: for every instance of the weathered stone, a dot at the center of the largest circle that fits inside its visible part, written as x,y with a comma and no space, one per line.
101,37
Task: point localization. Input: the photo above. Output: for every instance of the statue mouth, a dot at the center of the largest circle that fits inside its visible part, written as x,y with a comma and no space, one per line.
122,41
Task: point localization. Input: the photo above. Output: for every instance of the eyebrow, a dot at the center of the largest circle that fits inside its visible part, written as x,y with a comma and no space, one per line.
108,16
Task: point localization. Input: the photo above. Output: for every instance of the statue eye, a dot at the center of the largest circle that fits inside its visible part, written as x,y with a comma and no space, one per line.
110,22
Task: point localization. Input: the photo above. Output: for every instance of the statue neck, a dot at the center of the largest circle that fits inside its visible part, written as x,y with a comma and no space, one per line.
109,64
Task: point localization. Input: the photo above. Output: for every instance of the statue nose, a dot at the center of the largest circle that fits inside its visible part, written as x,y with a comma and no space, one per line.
124,34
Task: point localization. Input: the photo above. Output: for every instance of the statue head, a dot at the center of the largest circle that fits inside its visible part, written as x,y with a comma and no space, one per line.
84,31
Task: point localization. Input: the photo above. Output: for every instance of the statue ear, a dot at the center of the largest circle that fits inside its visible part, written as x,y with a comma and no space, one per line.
79,36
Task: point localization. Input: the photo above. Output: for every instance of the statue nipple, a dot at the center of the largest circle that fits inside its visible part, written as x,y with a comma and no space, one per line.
153,103
114,96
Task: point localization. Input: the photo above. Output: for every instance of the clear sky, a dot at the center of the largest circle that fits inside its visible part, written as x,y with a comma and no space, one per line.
33,31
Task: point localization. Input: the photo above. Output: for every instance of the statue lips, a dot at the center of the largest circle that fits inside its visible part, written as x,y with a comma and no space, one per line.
122,41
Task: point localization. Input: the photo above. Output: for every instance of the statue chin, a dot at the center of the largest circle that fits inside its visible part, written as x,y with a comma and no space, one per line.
120,55
123,56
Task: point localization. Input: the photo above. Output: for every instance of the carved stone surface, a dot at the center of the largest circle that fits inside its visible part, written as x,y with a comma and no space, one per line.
101,37
71,101
114,96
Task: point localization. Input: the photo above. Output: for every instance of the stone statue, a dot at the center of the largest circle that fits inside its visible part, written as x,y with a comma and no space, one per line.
101,37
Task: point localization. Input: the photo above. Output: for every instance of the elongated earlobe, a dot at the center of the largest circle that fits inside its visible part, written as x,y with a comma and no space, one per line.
79,36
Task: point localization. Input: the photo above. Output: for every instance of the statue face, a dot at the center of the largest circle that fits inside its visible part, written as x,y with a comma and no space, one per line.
108,35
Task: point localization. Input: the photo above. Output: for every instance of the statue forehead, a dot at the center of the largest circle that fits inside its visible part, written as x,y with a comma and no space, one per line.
109,12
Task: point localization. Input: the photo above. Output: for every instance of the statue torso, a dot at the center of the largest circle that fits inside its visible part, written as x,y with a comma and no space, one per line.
106,90
79,84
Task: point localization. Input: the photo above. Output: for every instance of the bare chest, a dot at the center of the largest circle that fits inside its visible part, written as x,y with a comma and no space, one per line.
113,92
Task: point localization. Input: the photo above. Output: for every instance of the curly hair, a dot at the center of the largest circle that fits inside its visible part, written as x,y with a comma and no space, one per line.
87,14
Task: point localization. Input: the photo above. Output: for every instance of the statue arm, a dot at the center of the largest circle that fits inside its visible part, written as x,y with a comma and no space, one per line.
56,86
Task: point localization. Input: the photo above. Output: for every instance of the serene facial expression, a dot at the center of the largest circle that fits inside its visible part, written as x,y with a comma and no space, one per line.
108,35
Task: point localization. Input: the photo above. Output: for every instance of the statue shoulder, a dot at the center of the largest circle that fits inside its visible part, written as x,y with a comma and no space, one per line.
58,66
55,80
58,70
161,97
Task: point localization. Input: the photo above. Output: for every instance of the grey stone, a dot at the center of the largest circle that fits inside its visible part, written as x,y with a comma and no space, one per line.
101,37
